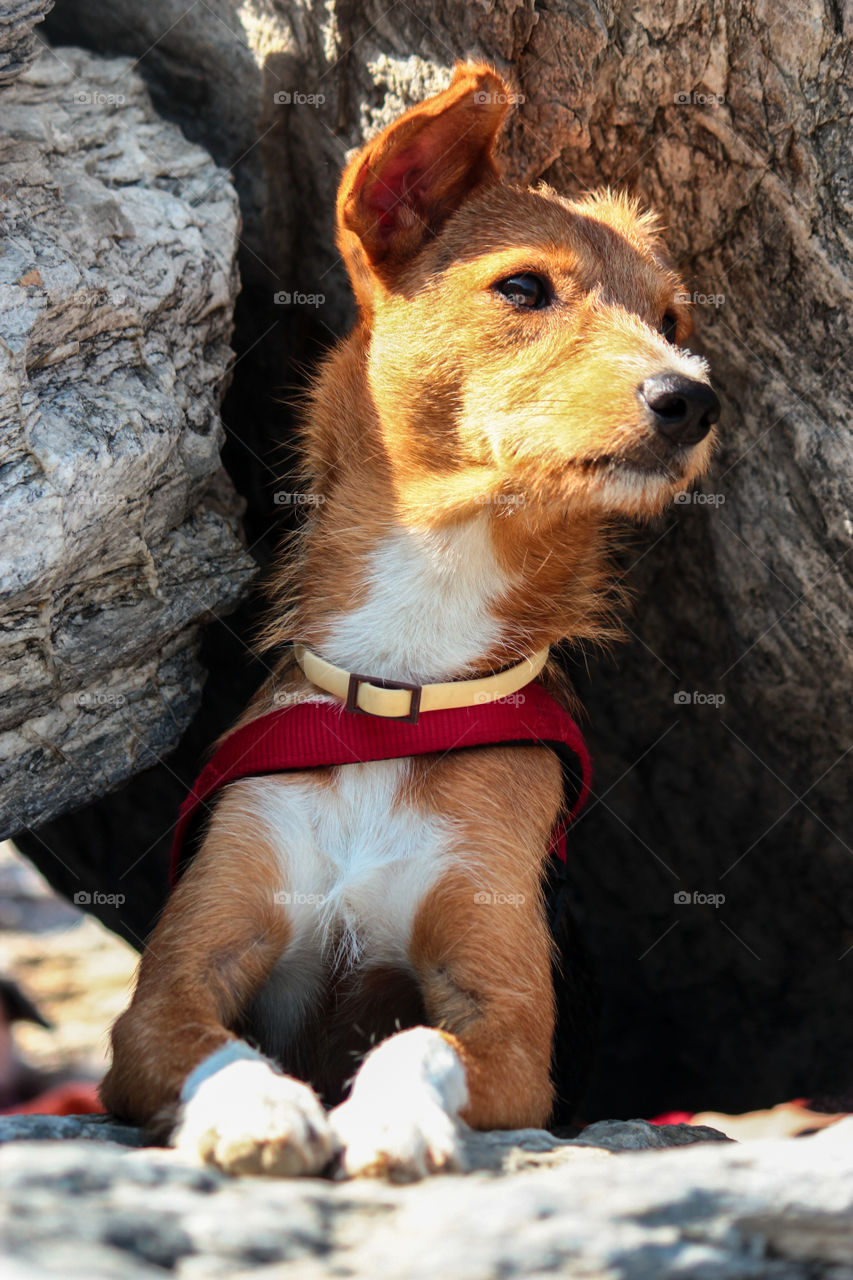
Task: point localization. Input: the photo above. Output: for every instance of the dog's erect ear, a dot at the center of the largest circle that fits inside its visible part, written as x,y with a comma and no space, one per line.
398,190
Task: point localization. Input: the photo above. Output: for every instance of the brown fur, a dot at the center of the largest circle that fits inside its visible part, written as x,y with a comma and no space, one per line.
494,1002
217,941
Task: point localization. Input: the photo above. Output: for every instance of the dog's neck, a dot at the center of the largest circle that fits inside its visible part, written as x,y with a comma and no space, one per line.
451,590
425,607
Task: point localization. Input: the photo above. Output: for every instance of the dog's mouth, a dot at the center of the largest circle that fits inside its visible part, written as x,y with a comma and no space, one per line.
643,476
643,462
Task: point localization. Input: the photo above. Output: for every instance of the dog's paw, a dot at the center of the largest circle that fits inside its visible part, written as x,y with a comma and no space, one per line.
242,1117
400,1120
401,1145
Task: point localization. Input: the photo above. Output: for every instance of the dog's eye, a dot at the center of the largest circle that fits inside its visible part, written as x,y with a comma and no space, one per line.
668,326
524,290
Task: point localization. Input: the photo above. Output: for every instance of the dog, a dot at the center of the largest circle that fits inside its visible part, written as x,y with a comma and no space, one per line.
516,381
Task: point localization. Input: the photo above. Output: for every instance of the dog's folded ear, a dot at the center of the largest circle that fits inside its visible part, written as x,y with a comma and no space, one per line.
397,191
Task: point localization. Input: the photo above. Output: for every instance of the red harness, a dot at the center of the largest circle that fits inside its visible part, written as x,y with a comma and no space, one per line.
314,734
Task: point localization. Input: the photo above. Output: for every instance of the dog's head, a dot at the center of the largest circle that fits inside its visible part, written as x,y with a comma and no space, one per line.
519,341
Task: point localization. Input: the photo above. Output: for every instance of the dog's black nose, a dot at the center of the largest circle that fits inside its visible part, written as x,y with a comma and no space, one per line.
680,408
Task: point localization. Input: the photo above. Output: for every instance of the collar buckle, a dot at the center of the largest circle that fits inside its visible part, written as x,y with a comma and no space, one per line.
356,680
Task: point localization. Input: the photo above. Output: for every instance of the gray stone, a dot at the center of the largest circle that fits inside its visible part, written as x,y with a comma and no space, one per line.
781,1209
120,531
92,1128
499,1149
18,44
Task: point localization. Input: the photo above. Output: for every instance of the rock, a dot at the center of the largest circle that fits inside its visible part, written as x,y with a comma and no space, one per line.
781,1209
736,123
499,1149
120,531
64,1128
18,44
639,1135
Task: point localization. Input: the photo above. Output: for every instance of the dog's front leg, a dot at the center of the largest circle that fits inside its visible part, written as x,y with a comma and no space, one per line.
177,1067
483,961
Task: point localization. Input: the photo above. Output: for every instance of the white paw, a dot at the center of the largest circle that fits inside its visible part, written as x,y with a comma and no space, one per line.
401,1119
241,1116
401,1145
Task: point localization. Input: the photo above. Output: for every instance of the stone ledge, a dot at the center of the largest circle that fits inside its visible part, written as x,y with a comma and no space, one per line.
781,1208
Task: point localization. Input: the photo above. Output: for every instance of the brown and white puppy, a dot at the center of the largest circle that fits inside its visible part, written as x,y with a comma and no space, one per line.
516,378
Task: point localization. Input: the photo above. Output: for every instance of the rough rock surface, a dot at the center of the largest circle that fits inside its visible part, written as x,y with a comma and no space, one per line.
67,1128
778,1209
500,1149
119,529
18,43
735,121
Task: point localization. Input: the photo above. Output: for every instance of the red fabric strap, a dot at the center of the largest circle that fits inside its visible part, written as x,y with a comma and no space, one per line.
312,734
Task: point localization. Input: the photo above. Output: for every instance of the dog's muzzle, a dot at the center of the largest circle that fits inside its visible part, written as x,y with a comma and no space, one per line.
681,409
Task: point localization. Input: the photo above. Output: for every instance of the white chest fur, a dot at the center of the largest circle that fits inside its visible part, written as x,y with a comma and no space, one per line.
427,615
356,860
